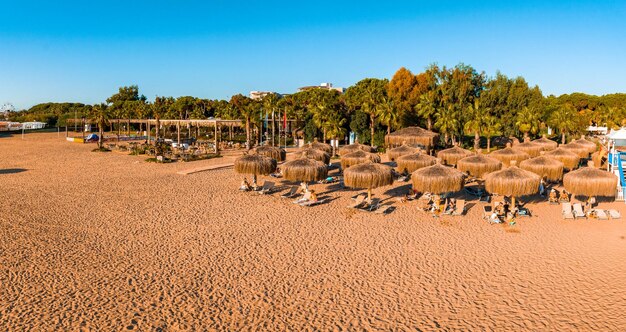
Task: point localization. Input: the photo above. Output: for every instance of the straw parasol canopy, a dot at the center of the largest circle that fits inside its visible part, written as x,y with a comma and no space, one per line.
305,170
358,157
512,181
415,161
437,179
591,146
412,135
532,149
452,155
544,166
580,150
255,164
354,147
546,144
509,154
478,165
314,154
368,175
272,152
319,146
402,150
590,181
569,159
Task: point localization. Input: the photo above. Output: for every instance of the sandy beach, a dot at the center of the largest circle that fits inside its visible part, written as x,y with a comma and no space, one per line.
107,241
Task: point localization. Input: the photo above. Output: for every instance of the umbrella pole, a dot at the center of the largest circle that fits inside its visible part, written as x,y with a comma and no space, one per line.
513,203
369,194
254,180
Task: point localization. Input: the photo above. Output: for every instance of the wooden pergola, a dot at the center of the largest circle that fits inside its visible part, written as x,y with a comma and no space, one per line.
215,123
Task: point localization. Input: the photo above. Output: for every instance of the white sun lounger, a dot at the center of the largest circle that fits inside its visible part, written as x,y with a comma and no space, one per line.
578,211
567,211
358,201
601,214
267,188
460,208
304,198
614,214
291,193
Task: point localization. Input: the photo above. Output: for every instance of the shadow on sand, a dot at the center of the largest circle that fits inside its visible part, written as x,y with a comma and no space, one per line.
12,170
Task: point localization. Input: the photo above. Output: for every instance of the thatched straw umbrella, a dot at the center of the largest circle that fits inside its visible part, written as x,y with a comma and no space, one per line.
478,165
509,154
402,150
590,181
532,149
412,135
452,155
319,146
413,162
591,146
272,152
358,157
437,179
314,154
569,159
546,144
353,148
580,150
512,181
304,170
368,175
255,164
544,166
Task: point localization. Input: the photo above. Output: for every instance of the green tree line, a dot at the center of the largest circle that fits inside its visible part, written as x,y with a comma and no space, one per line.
463,105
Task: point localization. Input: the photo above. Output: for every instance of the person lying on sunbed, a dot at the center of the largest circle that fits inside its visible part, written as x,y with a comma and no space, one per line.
313,198
564,197
450,206
494,219
245,186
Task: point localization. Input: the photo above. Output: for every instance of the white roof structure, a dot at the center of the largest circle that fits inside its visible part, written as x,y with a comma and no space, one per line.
618,134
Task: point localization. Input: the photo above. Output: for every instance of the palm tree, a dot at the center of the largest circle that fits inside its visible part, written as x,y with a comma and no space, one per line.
335,127
387,113
242,103
320,118
447,121
528,120
475,123
492,128
563,120
160,107
100,116
426,108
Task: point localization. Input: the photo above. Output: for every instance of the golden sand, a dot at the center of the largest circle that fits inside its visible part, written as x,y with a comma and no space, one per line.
106,241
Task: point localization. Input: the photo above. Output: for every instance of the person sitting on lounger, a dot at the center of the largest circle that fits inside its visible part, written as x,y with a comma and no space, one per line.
553,198
245,186
313,197
589,203
494,219
510,218
564,196
304,187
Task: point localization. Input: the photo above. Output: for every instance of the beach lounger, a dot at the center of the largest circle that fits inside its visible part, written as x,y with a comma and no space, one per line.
578,211
305,197
614,214
267,188
374,205
523,212
312,203
291,193
358,201
383,209
566,209
487,210
600,214
460,208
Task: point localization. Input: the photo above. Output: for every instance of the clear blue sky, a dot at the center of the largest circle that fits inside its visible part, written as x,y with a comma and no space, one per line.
83,51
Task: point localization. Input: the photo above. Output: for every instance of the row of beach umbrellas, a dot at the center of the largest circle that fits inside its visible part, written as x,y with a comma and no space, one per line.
362,168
